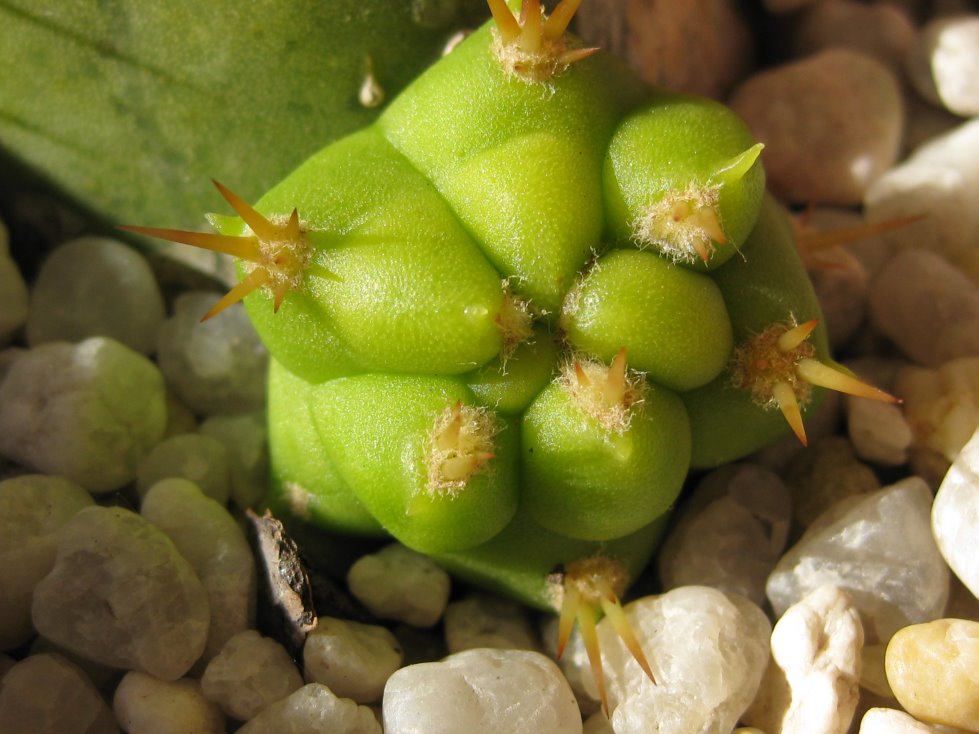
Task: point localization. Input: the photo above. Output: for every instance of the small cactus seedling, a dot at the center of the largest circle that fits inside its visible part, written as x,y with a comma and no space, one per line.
507,318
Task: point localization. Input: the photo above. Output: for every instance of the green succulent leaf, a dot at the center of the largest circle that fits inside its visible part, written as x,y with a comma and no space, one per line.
130,108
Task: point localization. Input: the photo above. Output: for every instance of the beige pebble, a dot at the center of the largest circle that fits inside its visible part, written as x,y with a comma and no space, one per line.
942,407
879,30
657,37
831,124
933,669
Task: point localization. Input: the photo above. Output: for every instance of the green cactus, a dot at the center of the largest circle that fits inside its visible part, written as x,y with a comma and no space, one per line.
507,317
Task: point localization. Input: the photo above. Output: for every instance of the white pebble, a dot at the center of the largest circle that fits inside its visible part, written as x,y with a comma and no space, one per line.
942,408
121,594
148,705
250,673
200,459
812,684
33,509
481,620
353,660
730,534
96,286
878,430
892,721
217,366
927,307
45,694
834,128
210,539
877,547
955,516
245,437
940,180
398,583
943,64
313,709
708,651
481,692
89,411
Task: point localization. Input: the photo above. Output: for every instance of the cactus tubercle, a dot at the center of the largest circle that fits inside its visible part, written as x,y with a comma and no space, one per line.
275,253
534,46
778,367
591,586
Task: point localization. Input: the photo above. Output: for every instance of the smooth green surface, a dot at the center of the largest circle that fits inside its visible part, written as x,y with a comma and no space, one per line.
304,481
671,321
768,286
518,561
380,428
585,481
673,143
396,283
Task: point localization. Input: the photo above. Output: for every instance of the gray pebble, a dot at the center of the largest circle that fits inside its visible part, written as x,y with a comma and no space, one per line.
96,286
147,705
33,509
878,30
245,437
200,459
353,660
45,694
13,293
927,307
731,533
210,539
250,673
398,583
481,620
89,411
121,594
313,709
217,366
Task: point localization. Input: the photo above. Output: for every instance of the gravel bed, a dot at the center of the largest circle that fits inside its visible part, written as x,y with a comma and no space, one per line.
817,590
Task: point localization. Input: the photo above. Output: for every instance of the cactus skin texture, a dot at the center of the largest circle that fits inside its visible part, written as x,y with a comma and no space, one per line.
508,317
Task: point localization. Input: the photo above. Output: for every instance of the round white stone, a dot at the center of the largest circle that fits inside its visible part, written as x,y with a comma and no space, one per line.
708,651
481,692
955,515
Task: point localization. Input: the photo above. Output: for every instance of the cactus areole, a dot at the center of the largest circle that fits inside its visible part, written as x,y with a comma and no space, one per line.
508,317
